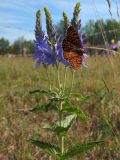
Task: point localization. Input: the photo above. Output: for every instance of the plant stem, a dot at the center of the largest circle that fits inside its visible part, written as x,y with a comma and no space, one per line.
61,124
48,77
60,111
58,76
62,145
65,75
72,81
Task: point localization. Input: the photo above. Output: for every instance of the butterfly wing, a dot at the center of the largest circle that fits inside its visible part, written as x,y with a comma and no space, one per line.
68,55
73,37
74,59
67,46
72,47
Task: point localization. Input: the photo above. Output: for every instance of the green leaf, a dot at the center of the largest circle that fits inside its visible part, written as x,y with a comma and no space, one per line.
43,91
63,129
45,107
67,122
80,97
80,149
77,112
59,130
40,108
51,149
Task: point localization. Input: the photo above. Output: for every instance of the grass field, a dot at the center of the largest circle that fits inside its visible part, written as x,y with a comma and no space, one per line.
101,80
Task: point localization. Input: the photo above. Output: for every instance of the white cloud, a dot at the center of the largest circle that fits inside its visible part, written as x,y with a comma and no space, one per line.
14,33
17,16
16,5
8,19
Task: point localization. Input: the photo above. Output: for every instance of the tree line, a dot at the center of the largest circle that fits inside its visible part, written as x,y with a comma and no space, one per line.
93,31
20,46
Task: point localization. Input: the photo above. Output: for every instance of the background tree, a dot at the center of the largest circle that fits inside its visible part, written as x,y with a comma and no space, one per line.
4,46
98,38
22,46
60,27
93,33
17,46
112,27
89,30
64,23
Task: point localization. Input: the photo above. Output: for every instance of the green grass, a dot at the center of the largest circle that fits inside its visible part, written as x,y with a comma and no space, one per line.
101,80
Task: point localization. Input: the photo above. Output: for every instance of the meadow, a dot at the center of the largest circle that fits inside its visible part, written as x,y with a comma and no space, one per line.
101,81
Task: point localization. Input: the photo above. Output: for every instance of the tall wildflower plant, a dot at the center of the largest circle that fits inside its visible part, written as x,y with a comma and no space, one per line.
38,27
75,18
66,21
49,24
59,99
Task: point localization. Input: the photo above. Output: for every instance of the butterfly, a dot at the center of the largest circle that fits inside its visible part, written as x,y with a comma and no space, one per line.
72,48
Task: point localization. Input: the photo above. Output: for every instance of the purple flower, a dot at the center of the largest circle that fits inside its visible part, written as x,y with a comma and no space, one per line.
85,56
59,52
43,52
51,52
60,57
48,53
113,46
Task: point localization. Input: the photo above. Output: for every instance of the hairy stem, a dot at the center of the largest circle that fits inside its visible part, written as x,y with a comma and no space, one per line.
48,77
61,124
65,76
73,74
58,75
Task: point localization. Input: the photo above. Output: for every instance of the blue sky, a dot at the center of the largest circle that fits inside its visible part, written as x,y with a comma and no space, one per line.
17,17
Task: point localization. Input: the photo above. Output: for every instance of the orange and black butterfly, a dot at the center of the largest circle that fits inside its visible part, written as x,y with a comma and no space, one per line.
72,47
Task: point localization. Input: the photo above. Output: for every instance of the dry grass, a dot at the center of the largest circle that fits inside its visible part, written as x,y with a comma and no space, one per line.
101,80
